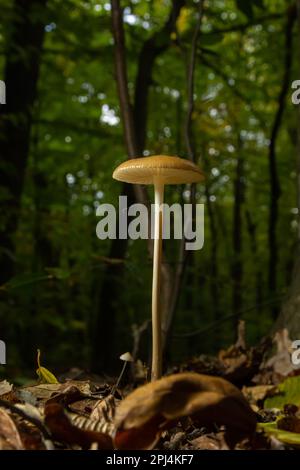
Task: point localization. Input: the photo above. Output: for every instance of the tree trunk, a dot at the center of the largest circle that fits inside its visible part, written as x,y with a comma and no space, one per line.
21,77
289,316
104,340
275,190
237,265
214,270
251,227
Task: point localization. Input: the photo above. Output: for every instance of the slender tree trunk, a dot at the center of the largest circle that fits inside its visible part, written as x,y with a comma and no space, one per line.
214,271
237,235
275,190
251,227
21,74
151,49
108,304
289,316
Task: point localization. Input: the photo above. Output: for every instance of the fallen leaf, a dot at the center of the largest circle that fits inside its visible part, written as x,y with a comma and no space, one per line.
175,441
5,387
147,411
67,395
257,394
279,366
209,442
43,392
104,408
289,423
87,424
44,374
287,437
26,397
30,435
241,363
62,429
288,392
9,435
281,362
31,411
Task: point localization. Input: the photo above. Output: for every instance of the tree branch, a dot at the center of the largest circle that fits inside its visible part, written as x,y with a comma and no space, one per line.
151,49
190,80
122,80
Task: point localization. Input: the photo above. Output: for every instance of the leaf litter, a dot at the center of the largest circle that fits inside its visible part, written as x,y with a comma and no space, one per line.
209,403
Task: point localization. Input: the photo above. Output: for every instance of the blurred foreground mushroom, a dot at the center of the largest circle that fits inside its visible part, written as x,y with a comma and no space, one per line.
158,170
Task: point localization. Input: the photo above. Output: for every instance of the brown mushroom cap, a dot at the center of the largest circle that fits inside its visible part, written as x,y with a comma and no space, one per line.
158,168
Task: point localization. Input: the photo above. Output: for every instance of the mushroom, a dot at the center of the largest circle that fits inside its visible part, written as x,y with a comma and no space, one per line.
126,357
158,170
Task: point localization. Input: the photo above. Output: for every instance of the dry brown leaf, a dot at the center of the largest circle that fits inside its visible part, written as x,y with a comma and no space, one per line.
209,442
255,395
9,435
104,408
274,369
241,363
41,392
150,409
175,440
5,387
281,361
289,423
44,392
63,430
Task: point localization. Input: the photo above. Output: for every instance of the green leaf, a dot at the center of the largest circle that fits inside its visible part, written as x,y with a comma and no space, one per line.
246,7
288,393
44,374
287,437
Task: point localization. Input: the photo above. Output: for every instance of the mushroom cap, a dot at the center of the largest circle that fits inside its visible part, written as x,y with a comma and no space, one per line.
126,357
158,168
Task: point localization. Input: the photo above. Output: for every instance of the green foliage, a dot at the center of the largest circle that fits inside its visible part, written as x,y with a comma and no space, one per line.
287,437
288,393
44,374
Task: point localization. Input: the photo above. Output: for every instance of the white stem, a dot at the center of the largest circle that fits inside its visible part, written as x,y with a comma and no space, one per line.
119,378
157,256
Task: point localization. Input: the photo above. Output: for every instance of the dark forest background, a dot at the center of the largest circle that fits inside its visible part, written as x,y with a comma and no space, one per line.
213,85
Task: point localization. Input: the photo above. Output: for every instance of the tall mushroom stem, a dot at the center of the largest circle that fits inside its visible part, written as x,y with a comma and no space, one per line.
156,308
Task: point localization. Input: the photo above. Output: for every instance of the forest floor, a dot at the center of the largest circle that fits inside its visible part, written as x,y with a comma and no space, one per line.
240,399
